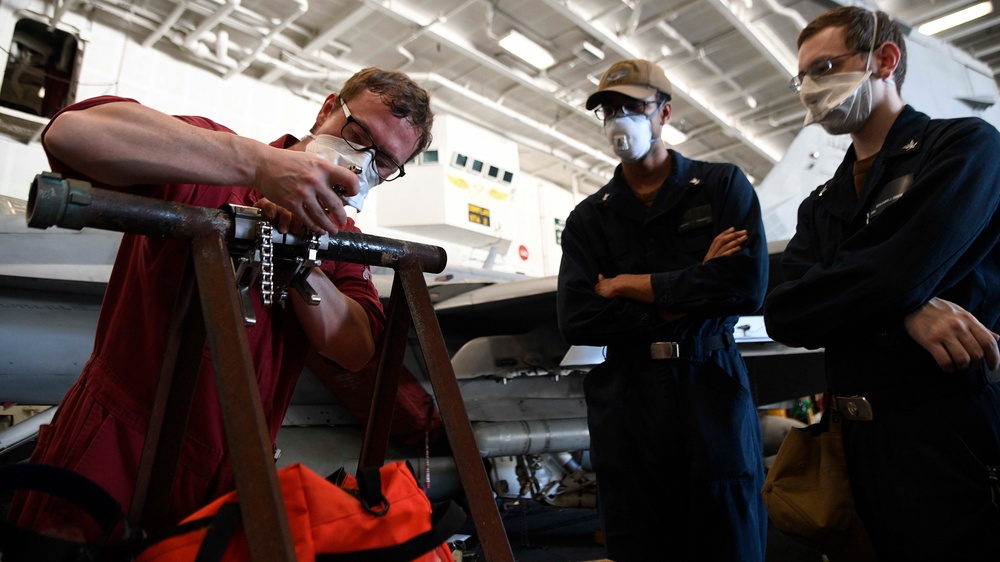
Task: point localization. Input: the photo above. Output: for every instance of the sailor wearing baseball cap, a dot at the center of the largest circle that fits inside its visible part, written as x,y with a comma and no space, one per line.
624,97
657,266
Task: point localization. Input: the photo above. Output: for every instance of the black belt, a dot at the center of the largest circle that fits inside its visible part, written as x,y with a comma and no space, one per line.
658,350
862,407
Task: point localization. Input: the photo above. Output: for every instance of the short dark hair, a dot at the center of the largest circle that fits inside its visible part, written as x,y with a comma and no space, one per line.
858,25
405,98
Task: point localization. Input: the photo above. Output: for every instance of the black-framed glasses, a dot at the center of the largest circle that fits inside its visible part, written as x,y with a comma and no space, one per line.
357,136
635,107
817,68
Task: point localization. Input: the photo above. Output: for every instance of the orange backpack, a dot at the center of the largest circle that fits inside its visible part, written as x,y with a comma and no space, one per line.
383,515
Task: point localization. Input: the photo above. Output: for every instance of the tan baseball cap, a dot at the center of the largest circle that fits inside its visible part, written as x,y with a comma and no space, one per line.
634,78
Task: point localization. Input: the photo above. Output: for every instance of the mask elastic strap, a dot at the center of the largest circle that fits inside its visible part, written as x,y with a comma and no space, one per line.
871,49
657,110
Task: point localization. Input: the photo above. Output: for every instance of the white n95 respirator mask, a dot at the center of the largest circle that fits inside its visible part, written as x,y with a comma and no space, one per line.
338,152
631,136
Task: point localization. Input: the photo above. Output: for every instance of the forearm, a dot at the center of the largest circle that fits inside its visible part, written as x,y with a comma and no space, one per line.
338,328
125,143
587,318
637,287
121,143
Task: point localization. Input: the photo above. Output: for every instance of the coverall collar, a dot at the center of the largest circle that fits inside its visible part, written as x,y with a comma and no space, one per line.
905,136
619,197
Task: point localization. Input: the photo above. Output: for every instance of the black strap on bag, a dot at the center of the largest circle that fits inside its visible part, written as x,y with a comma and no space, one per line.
221,527
370,491
226,520
446,520
18,544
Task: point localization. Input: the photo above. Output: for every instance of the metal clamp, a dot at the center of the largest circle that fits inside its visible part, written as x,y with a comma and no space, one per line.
854,408
664,350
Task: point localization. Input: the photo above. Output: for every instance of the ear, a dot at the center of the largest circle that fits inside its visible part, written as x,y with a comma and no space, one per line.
665,112
887,59
330,105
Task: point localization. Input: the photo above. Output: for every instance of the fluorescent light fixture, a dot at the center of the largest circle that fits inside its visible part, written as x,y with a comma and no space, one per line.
527,49
672,135
589,53
954,19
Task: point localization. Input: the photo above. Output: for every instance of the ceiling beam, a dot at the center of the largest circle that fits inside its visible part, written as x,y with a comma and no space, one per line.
624,49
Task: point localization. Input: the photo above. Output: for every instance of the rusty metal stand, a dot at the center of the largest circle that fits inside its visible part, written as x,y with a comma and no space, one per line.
411,300
207,307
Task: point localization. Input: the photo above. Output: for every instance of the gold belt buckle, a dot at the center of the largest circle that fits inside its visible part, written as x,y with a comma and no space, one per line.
855,408
664,350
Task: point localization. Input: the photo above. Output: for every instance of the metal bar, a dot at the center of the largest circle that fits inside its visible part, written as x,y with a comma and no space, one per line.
390,366
53,201
168,421
268,533
389,252
471,471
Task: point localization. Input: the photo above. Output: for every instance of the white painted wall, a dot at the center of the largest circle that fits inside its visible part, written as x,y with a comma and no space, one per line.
114,64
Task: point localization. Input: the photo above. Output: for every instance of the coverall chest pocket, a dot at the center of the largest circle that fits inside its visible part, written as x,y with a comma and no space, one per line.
617,258
695,231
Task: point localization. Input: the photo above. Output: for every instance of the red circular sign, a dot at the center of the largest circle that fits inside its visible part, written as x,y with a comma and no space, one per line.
522,251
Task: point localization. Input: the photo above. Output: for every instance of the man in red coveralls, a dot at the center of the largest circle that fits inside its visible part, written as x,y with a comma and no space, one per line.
379,120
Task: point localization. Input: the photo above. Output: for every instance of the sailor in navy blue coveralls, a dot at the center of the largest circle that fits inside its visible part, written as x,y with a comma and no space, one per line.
894,269
675,442
926,468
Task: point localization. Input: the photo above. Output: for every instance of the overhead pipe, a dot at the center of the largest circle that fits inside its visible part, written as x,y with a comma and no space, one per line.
301,6
299,72
672,33
765,42
424,28
443,35
167,24
546,129
194,37
633,18
325,38
789,13
671,14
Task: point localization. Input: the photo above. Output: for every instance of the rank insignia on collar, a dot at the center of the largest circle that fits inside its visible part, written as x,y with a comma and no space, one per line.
695,181
605,198
910,145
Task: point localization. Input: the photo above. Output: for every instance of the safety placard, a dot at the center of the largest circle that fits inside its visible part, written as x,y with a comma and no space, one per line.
479,215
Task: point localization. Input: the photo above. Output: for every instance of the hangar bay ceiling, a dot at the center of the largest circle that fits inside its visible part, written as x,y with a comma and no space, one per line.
729,61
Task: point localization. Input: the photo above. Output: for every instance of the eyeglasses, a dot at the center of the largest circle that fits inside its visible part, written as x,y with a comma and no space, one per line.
638,107
818,68
358,137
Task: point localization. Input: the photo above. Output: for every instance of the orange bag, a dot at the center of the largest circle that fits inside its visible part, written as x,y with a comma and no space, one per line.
383,515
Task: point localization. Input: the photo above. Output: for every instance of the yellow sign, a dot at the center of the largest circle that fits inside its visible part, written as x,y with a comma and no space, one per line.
479,215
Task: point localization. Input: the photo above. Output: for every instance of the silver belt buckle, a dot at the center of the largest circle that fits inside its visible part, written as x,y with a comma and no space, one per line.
664,350
855,408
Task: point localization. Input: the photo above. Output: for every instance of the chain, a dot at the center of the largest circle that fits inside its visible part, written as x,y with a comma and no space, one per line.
266,261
